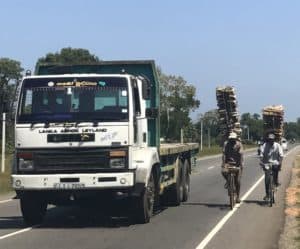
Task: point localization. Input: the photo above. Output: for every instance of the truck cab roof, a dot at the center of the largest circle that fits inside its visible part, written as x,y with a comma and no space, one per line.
76,75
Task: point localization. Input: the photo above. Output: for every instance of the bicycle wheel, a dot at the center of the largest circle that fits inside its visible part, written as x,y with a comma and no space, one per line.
231,191
270,190
273,190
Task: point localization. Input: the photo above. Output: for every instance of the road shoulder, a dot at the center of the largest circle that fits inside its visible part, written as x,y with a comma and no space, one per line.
289,238
7,196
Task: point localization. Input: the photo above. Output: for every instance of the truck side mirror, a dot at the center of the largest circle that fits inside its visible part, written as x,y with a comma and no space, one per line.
146,89
151,113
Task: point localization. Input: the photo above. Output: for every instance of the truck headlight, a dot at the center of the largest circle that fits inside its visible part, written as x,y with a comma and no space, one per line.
117,163
25,165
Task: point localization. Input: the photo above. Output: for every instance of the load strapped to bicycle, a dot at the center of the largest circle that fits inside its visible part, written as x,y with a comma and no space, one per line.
232,160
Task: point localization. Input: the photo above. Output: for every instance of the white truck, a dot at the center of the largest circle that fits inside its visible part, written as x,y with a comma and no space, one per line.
85,130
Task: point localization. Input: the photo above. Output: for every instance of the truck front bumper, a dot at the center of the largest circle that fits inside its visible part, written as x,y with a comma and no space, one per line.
73,181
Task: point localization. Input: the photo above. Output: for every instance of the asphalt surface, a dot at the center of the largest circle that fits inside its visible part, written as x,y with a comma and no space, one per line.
205,218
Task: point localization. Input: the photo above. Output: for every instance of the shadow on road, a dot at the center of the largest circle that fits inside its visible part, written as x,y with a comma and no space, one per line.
12,222
258,202
78,217
221,206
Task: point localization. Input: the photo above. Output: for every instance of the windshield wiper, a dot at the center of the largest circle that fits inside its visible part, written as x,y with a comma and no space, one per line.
46,123
95,123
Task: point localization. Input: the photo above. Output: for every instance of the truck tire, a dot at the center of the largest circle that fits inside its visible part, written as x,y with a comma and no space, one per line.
186,181
174,195
145,203
33,209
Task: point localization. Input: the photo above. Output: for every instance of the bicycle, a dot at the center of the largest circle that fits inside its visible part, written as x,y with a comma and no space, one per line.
232,171
269,180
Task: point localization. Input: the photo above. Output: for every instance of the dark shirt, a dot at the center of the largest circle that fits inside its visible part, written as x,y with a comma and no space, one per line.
233,153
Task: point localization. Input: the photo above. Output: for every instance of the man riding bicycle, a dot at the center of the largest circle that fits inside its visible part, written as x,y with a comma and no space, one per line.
271,152
233,155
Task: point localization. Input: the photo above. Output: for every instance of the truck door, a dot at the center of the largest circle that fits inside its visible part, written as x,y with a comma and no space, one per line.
136,113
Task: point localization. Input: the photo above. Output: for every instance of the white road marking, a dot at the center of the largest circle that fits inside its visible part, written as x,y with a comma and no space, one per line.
4,201
211,167
251,155
221,223
8,218
17,232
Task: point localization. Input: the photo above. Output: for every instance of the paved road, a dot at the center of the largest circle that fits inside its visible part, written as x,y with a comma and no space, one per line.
204,218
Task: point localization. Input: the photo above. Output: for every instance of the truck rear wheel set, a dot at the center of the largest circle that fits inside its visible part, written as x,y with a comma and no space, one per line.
186,181
177,193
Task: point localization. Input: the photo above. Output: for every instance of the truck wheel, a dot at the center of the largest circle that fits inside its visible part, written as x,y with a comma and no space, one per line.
186,181
174,194
145,203
33,209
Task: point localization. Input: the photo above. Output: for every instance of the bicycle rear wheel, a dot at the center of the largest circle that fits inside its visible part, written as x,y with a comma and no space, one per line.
273,191
270,191
231,191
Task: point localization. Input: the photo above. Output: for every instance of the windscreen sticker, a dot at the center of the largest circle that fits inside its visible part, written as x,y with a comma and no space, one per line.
109,136
102,83
124,93
124,111
76,83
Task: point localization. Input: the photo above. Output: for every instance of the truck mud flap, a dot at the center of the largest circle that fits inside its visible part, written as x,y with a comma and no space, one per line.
137,189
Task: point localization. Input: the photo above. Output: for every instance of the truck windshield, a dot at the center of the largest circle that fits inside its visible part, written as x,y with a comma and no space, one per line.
73,99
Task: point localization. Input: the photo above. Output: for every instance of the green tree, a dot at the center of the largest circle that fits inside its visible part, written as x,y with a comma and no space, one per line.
210,121
254,124
292,130
178,99
10,75
256,116
69,56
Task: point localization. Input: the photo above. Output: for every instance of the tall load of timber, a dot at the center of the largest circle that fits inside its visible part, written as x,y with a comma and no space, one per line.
273,121
229,119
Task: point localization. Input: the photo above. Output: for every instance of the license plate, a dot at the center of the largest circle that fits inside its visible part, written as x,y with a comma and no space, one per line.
68,185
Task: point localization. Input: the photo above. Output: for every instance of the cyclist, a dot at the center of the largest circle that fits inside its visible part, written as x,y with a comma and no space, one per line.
233,155
271,152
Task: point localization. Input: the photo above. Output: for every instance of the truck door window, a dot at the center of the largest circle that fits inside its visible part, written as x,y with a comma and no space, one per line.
136,98
27,103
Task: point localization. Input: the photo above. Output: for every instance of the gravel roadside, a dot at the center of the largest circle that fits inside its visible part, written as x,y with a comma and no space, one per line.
289,238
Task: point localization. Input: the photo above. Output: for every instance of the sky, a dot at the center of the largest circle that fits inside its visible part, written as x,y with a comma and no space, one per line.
251,45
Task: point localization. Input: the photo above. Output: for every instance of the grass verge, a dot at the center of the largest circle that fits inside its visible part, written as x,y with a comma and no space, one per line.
292,236
215,149
5,183
297,166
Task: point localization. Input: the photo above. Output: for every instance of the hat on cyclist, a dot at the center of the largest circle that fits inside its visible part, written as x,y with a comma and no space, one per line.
232,135
271,136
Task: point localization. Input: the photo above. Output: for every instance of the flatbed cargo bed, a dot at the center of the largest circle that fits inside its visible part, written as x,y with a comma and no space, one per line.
173,148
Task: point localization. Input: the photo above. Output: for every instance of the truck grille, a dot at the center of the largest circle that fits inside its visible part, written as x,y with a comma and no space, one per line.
59,138
72,160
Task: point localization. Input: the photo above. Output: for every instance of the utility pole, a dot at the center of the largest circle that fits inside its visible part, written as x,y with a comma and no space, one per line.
208,134
181,135
248,134
3,143
201,133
